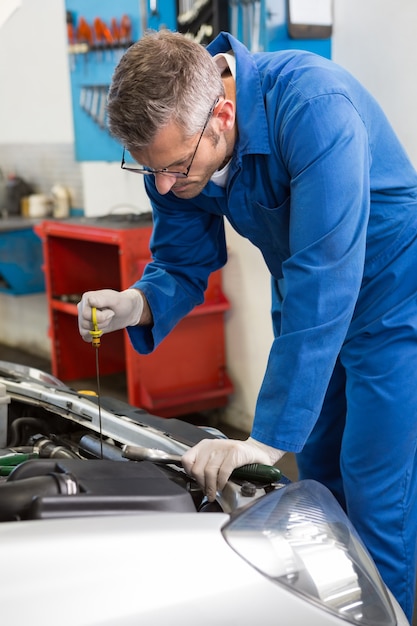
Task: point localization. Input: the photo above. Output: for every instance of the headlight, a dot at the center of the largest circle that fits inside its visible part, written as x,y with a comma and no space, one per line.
300,538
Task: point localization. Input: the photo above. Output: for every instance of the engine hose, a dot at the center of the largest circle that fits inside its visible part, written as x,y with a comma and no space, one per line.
17,425
47,449
93,446
16,497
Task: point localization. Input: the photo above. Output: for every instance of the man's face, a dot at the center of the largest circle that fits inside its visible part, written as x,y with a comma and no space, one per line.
170,151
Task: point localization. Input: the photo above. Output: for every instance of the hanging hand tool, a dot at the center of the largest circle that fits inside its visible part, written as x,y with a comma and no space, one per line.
122,36
116,34
84,32
115,31
96,341
125,31
98,39
71,38
84,39
101,118
103,39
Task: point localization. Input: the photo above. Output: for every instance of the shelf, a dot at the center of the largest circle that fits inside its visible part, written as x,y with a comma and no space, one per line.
208,307
65,307
185,373
189,400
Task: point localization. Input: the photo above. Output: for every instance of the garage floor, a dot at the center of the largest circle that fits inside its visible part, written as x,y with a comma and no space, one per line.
115,386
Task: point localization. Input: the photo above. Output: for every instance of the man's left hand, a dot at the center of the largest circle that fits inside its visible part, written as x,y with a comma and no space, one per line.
212,461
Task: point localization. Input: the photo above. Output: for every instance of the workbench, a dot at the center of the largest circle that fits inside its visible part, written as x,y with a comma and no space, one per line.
185,373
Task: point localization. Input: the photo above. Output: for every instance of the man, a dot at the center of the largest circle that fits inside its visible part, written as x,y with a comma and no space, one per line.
302,161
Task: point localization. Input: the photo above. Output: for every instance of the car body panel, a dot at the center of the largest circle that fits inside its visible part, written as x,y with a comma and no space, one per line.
95,564
150,569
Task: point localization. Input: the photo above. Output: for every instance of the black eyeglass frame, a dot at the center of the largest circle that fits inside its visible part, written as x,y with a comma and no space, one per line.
146,171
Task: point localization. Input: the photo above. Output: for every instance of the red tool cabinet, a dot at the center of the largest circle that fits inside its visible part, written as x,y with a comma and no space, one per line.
186,373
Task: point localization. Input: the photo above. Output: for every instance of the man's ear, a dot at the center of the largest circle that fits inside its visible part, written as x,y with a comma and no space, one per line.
225,113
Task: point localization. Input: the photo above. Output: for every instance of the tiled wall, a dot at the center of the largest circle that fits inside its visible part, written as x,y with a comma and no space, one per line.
44,165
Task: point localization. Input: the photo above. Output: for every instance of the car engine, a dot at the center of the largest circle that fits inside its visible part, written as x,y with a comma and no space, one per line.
62,455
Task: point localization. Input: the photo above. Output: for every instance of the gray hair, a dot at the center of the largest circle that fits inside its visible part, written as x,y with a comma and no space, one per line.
163,77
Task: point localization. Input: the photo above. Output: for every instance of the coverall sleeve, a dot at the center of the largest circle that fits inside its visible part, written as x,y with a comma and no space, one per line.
187,244
325,146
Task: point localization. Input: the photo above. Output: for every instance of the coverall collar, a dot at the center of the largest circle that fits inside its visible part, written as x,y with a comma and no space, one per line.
250,114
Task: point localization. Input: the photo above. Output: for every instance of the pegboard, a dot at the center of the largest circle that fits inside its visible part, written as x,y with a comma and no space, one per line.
99,32
94,51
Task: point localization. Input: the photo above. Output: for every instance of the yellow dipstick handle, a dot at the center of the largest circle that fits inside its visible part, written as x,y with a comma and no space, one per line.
95,333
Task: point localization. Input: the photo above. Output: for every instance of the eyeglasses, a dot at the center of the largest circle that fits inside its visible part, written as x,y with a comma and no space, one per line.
147,170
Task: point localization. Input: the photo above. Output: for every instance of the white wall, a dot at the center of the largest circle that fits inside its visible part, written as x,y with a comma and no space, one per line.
35,106
375,39
249,335
121,192
35,103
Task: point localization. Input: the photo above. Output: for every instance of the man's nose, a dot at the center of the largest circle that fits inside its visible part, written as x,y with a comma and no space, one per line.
164,183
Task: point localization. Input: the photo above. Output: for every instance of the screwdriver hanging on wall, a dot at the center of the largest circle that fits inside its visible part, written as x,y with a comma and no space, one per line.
107,42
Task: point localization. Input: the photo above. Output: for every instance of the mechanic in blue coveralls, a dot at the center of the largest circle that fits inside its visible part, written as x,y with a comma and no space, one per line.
302,161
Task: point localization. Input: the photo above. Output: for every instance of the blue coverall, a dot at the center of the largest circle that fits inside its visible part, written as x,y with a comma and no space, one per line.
321,185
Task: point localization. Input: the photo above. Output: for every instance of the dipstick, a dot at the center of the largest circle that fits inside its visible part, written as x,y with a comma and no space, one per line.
96,341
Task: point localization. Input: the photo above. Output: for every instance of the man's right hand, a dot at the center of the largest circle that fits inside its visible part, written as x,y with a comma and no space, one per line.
115,310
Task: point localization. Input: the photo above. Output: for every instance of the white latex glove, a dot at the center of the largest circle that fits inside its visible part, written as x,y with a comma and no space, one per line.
115,310
212,461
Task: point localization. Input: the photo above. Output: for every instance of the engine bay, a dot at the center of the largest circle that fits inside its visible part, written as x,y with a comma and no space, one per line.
61,455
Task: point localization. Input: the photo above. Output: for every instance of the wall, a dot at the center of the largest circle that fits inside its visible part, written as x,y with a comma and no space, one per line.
374,39
34,111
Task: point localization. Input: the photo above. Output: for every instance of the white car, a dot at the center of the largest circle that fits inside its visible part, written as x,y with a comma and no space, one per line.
90,536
